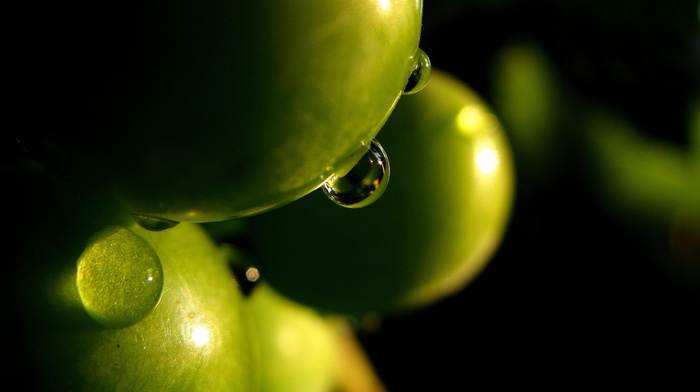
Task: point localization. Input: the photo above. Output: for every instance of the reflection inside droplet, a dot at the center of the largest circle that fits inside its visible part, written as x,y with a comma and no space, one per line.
420,74
120,279
365,182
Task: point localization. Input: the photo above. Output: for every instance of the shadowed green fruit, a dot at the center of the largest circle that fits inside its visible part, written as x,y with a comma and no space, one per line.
438,223
212,111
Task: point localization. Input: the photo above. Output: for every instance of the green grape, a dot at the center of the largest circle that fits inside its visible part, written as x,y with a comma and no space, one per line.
200,113
432,232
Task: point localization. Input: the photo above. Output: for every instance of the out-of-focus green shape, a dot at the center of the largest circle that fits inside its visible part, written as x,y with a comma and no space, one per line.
528,98
297,346
119,278
639,177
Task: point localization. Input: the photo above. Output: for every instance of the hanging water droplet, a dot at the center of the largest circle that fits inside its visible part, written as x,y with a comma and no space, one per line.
152,223
365,182
420,74
120,278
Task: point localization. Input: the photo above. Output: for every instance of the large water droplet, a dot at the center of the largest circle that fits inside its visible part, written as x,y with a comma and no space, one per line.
153,223
421,73
120,278
365,182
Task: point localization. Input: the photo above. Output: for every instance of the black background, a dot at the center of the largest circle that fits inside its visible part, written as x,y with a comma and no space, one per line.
573,295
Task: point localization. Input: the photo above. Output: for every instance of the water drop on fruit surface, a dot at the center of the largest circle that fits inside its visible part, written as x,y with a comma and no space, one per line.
153,223
365,182
420,74
120,278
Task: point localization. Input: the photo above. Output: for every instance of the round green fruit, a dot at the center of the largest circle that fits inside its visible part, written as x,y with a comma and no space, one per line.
436,226
130,310
210,111
297,346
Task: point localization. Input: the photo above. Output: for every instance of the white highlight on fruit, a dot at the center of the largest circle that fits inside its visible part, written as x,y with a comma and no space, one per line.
487,161
384,4
200,336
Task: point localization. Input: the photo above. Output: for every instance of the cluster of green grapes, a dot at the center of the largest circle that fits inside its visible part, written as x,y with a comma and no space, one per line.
164,233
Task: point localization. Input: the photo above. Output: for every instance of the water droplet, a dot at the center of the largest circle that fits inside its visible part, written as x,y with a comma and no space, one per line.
365,182
421,73
120,279
252,274
152,223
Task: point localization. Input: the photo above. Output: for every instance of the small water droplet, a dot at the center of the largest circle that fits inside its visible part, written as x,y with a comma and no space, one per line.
420,74
245,277
120,278
365,182
153,223
252,274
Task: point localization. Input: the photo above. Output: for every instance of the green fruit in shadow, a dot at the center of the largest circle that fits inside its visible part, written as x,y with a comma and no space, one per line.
207,112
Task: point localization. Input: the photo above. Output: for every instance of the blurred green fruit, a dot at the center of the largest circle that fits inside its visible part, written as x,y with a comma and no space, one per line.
639,178
435,228
211,111
651,187
531,103
297,346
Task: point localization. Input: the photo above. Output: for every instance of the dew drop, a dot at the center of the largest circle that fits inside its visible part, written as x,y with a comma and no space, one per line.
245,277
252,274
120,278
365,182
420,75
152,223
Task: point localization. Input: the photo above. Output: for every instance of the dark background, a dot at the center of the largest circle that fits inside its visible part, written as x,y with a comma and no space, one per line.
574,293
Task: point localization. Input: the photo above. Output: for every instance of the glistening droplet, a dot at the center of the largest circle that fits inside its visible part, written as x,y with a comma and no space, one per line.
365,182
120,278
420,74
152,223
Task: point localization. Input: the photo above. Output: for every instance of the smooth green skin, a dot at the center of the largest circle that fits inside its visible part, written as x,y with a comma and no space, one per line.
434,229
221,110
196,338
297,346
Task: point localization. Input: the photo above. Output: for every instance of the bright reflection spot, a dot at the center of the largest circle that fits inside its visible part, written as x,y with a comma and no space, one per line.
487,161
473,119
288,342
384,4
200,336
